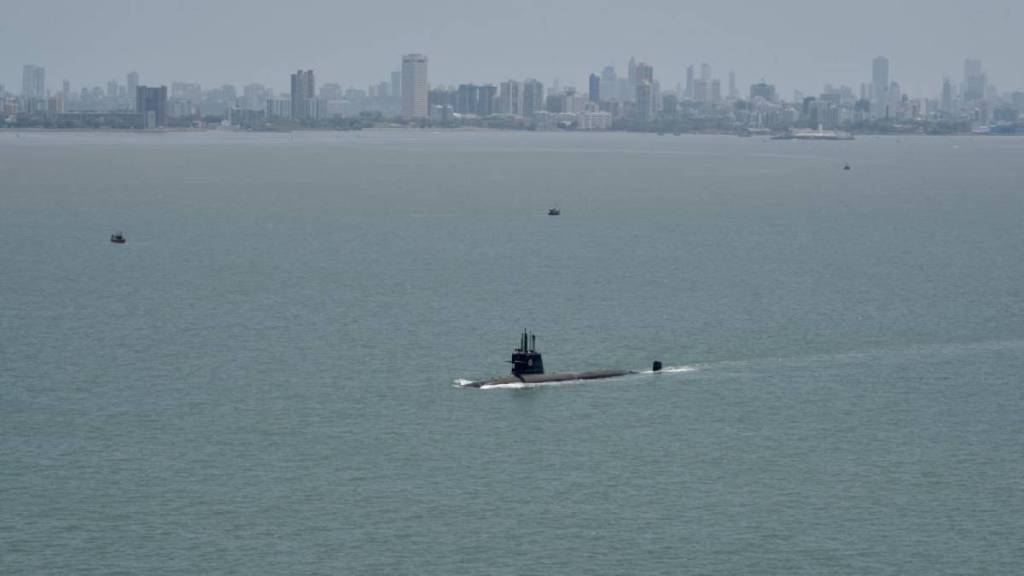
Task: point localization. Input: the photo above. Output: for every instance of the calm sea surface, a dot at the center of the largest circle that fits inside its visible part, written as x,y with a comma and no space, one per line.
261,381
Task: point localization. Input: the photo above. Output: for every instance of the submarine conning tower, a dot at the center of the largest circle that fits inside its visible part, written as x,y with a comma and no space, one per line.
526,359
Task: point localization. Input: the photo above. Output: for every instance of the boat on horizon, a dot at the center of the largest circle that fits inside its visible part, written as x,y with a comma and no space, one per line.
118,238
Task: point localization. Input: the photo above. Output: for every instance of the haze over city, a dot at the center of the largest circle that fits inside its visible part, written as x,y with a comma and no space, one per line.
795,44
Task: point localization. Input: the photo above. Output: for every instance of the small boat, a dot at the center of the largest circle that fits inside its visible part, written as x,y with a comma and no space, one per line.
846,167
118,238
554,212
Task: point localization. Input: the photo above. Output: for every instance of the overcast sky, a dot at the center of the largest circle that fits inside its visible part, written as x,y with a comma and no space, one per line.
797,44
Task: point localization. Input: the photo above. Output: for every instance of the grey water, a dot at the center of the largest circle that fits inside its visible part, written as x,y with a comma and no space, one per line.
263,379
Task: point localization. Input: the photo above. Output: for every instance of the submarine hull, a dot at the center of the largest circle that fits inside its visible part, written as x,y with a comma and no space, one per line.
557,377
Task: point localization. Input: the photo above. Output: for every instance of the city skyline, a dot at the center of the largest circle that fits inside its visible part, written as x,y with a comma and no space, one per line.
582,37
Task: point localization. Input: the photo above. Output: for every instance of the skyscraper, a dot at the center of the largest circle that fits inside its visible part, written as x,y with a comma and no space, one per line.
151,102
510,100
705,71
533,97
644,92
414,86
595,88
303,90
880,87
132,83
33,81
609,84
947,96
974,80
396,84
733,92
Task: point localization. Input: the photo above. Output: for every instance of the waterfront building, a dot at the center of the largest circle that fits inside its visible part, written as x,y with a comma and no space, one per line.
974,80
880,87
303,89
414,86
132,84
533,97
594,90
763,90
33,81
151,103
510,100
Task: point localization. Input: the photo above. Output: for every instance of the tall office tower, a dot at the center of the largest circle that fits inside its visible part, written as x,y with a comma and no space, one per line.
947,96
486,97
33,81
112,89
644,101
510,100
644,72
689,82
716,91
645,94
631,71
132,83
974,80
65,90
702,91
396,84
609,83
595,88
414,86
533,97
303,90
733,92
705,71
151,102
880,87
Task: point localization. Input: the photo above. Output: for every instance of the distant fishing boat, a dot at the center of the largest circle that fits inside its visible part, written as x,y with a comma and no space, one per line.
118,238
846,167
554,212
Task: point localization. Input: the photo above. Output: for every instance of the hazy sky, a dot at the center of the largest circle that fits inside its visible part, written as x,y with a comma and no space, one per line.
797,44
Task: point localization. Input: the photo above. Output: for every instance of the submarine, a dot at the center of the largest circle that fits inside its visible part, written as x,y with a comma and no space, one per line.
528,368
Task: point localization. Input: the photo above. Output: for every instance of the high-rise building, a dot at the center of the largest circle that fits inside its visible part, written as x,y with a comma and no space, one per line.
763,90
33,81
414,86
631,71
396,84
486,97
609,84
151,102
733,92
65,90
595,88
947,96
644,101
510,100
644,72
880,87
974,80
303,90
716,91
705,71
702,91
132,84
689,82
533,97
